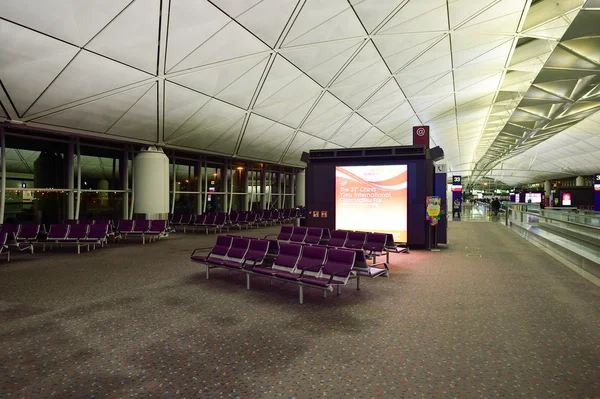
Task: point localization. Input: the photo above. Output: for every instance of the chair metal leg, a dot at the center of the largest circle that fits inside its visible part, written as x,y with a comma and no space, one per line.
270,282
358,282
207,272
301,293
248,281
324,293
339,289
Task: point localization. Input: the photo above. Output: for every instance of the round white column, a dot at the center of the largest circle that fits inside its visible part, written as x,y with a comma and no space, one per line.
151,183
579,181
547,188
301,188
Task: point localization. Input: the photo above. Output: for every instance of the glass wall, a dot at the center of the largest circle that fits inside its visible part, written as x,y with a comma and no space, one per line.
42,175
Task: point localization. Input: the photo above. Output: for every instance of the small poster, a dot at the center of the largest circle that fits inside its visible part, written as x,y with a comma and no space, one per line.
315,214
433,209
323,214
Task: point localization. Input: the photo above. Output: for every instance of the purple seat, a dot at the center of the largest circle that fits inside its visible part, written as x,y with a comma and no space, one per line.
97,234
28,233
310,264
338,238
298,234
157,229
256,253
391,246
71,221
140,226
175,219
11,230
125,226
237,253
285,261
216,254
314,235
58,232
78,232
356,240
284,233
335,272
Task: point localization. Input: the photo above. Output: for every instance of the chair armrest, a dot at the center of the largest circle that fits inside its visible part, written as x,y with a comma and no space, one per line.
254,260
335,275
201,249
310,269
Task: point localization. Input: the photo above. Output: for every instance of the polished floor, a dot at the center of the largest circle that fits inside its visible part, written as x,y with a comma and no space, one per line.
488,316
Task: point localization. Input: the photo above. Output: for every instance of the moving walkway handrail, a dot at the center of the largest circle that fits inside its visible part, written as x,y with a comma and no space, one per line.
539,215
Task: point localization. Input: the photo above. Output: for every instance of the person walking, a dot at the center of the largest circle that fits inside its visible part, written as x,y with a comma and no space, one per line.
456,208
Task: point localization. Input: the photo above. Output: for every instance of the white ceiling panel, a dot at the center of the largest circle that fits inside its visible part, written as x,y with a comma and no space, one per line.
26,53
233,81
419,16
324,61
213,113
73,21
132,37
230,42
140,121
268,79
322,21
265,139
86,75
99,115
373,12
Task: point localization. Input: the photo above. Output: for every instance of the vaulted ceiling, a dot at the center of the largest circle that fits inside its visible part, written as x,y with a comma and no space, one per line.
269,79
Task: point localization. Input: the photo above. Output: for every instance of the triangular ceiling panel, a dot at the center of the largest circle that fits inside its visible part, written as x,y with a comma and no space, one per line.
265,139
501,18
395,118
87,75
397,53
419,16
213,115
324,61
553,29
38,57
382,102
233,82
287,94
191,23
466,48
99,115
73,21
461,11
180,104
132,37
266,18
374,12
434,61
351,131
370,139
231,42
322,21
204,137
301,143
140,121
326,117
361,78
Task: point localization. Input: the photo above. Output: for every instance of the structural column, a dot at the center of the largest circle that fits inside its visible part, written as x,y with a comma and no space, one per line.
263,188
301,188
70,181
3,184
579,181
151,183
198,177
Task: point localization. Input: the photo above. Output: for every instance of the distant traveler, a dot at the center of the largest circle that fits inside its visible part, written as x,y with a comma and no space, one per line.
456,208
495,206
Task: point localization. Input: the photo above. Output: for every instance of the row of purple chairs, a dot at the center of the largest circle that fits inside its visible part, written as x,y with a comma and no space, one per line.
21,236
78,235
370,242
236,219
152,229
312,266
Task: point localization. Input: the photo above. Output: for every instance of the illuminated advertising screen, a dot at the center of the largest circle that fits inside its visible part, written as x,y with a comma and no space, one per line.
534,198
372,198
517,198
566,199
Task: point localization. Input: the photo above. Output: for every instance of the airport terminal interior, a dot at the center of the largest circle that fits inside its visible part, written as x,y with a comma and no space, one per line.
300,198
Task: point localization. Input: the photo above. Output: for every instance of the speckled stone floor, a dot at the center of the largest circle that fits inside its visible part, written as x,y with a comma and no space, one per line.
490,316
